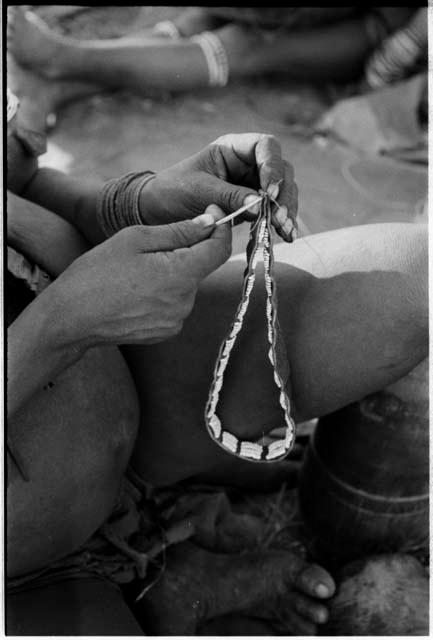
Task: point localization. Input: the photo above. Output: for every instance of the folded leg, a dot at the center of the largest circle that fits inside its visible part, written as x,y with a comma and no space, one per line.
353,320
81,606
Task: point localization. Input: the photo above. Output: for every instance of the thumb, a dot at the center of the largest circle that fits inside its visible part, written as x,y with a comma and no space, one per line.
206,256
177,235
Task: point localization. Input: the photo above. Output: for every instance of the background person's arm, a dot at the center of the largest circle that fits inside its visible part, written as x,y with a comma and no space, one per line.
71,198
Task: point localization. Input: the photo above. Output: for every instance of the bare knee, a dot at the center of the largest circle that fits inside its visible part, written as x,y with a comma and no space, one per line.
417,289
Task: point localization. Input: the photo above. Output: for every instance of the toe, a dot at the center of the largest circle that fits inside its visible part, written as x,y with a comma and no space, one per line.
310,609
300,626
316,582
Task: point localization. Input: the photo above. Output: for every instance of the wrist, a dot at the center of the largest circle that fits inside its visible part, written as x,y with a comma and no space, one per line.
61,324
118,203
149,202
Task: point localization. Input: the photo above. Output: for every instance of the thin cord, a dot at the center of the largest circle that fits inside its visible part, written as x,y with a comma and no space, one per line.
313,250
302,237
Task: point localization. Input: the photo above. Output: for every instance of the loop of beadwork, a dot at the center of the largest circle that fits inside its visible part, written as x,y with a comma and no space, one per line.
260,237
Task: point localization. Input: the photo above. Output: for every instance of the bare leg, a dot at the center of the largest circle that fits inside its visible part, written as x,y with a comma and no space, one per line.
291,585
351,327
53,244
198,585
138,62
82,606
354,321
325,53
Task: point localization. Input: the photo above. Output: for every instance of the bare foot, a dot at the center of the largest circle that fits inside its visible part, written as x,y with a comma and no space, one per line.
198,585
40,97
37,99
33,44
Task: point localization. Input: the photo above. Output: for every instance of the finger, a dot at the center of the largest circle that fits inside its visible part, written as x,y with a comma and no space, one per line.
176,235
259,151
284,217
270,164
288,195
205,257
229,197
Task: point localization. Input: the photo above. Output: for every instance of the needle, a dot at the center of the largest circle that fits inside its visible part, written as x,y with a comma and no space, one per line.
239,211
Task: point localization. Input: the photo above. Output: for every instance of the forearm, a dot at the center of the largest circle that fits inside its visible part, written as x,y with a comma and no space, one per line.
73,199
41,236
76,199
36,352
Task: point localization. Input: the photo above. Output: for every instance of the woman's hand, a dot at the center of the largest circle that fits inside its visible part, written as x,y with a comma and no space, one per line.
140,285
227,172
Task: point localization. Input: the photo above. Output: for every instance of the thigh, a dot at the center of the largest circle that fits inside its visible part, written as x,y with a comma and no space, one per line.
81,606
353,312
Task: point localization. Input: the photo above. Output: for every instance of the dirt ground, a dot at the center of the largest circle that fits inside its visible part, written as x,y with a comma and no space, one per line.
107,135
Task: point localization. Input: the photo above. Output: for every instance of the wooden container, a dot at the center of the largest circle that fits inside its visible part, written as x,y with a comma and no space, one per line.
365,481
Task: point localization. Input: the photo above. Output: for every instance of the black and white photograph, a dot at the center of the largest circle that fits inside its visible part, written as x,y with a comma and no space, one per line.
216,321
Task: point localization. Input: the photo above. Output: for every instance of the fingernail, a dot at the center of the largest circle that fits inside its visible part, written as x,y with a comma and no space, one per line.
281,215
322,590
255,207
273,189
288,226
205,220
294,234
322,617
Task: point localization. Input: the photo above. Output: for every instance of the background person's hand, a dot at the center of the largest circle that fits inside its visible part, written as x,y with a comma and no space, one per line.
227,172
138,286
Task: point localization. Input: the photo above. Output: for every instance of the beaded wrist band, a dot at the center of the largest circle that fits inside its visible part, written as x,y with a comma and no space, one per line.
216,58
260,236
118,203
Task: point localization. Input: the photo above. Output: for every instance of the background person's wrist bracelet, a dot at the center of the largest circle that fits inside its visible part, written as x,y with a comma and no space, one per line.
260,235
216,58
